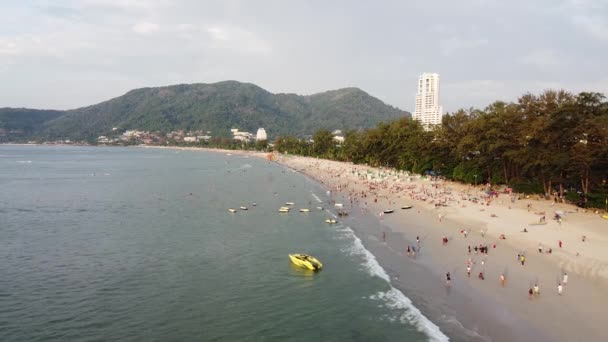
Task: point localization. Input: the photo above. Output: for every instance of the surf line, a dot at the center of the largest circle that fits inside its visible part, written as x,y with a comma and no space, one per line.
395,296
316,198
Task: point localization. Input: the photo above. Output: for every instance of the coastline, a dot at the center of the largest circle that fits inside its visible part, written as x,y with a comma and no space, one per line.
483,306
482,309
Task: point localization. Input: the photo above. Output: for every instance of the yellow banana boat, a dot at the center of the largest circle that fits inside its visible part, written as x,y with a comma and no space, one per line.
306,261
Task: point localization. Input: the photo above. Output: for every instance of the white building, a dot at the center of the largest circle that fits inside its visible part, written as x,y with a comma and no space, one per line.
261,135
241,136
428,110
190,139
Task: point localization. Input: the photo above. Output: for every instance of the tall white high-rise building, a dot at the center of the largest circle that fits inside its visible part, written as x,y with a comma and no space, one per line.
428,111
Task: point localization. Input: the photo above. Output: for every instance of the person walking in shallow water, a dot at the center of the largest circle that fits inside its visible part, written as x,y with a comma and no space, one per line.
408,250
503,280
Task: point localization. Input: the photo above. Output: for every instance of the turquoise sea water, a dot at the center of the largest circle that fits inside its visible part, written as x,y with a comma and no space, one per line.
137,244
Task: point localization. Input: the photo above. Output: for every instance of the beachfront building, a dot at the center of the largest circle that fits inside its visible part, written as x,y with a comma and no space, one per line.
338,136
241,136
261,135
428,110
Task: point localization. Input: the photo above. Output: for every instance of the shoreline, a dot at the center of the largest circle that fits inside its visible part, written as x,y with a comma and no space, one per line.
547,317
480,307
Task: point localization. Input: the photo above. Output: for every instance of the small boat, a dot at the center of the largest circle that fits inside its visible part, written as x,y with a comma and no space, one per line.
289,203
331,221
320,208
254,204
406,207
306,261
339,205
304,210
243,208
388,211
284,210
232,210
342,213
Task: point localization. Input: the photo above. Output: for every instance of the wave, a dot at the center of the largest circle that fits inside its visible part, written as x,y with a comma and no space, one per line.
316,198
24,162
393,297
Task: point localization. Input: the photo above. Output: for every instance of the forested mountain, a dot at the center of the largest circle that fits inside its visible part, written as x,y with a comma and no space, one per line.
21,122
218,107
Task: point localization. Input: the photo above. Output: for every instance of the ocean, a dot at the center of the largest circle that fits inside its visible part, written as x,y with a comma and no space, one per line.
108,243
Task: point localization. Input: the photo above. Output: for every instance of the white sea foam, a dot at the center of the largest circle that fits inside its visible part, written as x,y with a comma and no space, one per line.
24,162
316,198
393,297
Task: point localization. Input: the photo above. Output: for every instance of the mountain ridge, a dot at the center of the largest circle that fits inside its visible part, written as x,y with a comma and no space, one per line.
215,107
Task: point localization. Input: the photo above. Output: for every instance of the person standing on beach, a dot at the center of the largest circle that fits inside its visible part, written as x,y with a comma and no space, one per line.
469,271
408,250
469,249
565,279
413,252
523,260
530,293
503,280
448,279
536,290
560,243
560,288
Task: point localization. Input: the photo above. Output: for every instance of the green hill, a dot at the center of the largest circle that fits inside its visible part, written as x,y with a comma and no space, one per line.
17,123
218,107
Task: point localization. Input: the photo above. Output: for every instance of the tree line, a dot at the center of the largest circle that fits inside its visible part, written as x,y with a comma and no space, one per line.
552,143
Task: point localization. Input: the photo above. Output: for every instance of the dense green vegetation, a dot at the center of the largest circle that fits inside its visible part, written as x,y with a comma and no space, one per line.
16,123
552,142
219,107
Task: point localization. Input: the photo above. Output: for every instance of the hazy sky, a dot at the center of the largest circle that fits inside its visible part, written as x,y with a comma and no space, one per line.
68,53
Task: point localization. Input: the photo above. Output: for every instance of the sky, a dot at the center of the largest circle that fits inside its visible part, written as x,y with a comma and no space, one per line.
64,54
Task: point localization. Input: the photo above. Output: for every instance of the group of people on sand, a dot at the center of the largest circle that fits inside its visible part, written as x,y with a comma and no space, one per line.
379,188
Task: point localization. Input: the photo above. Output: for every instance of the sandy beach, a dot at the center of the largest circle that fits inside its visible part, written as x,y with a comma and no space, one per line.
488,309
443,209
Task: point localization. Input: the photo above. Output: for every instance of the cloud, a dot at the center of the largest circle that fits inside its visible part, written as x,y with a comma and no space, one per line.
145,28
237,39
8,47
589,16
480,93
545,60
594,25
453,44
